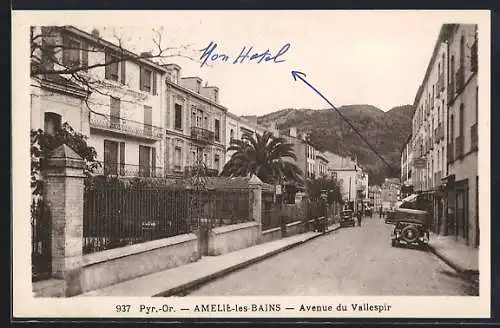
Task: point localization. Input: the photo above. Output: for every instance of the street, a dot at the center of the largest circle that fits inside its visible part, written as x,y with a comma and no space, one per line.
349,261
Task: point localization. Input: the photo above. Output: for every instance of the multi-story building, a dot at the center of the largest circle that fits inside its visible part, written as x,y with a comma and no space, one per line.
406,160
195,124
124,103
304,150
321,164
462,136
444,133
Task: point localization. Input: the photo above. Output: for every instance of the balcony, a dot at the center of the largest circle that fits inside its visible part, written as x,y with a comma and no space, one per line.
450,153
460,79
124,126
192,170
459,147
129,170
202,135
473,138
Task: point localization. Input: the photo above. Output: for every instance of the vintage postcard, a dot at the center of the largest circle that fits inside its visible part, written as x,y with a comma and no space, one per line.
221,164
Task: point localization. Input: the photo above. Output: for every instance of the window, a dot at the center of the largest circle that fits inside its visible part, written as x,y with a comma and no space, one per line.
114,157
111,69
147,161
73,53
217,130
114,112
148,120
148,80
178,117
452,128
52,122
177,158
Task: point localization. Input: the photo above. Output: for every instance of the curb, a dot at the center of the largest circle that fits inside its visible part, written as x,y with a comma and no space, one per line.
468,274
195,283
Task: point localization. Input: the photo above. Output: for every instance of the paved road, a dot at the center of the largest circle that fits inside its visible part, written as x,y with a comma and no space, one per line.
349,261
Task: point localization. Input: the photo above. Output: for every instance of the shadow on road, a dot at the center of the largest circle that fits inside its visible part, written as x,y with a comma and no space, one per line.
469,281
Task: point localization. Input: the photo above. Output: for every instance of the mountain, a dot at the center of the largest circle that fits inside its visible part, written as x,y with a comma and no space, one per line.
385,131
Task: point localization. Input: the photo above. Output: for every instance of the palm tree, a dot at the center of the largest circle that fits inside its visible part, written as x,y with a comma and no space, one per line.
265,156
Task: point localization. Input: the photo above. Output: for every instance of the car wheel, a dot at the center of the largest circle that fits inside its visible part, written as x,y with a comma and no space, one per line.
409,234
393,243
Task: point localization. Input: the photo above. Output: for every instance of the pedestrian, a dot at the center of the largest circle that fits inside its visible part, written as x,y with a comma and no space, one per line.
359,216
380,211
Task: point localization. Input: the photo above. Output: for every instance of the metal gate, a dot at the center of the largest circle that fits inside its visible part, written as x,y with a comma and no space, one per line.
41,232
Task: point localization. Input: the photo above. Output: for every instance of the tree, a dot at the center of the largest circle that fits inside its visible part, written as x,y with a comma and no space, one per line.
265,156
324,184
42,143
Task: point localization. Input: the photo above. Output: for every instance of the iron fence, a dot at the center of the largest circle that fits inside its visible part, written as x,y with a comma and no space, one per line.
41,232
117,216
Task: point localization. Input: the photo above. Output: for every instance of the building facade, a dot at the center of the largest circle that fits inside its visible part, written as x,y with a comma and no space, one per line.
462,161
444,134
195,125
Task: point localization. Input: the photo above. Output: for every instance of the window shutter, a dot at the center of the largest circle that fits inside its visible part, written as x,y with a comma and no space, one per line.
123,71
85,55
122,158
154,82
66,50
141,79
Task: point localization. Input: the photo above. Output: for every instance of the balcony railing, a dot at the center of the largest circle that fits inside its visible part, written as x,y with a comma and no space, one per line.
459,147
460,79
125,126
202,135
190,170
473,137
450,153
129,170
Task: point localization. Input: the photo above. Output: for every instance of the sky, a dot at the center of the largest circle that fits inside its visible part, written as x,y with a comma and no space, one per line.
364,57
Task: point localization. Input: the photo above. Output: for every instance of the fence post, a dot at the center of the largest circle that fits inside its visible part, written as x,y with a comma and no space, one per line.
255,198
63,191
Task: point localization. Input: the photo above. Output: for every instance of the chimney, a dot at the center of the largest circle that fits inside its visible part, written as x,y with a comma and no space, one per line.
95,33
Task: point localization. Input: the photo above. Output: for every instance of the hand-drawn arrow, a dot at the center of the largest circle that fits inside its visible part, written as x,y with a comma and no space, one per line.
299,75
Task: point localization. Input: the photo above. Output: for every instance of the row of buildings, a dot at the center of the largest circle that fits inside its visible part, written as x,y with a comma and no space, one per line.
440,157
146,119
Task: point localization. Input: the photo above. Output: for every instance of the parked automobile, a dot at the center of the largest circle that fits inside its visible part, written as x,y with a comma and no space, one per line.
410,227
347,218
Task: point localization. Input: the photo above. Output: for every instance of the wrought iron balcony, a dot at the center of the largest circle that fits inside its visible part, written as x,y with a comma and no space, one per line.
202,135
125,126
129,170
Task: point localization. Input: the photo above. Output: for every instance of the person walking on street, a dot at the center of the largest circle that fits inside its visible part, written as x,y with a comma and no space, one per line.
380,211
359,216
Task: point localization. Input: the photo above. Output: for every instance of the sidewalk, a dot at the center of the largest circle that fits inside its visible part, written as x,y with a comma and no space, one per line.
176,280
464,259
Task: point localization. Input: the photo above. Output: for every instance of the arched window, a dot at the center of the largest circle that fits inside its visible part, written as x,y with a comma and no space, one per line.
52,121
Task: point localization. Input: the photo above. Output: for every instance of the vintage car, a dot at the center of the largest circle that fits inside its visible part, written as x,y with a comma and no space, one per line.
347,218
410,227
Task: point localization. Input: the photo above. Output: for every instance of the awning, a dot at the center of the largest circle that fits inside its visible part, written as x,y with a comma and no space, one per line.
410,199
